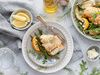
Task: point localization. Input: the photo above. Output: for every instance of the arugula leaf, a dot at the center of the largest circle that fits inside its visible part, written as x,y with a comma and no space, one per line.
94,15
79,26
83,67
92,26
96,36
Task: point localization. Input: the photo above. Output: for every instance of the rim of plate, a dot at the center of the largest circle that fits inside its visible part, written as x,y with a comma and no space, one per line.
56,67
75,24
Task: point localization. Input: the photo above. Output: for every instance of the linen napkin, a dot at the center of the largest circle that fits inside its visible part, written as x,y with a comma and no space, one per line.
10,37
6,8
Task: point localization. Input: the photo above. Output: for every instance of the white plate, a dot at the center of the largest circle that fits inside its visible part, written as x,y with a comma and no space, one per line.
59,65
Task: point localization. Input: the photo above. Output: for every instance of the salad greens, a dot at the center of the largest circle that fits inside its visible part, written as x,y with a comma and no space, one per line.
88,21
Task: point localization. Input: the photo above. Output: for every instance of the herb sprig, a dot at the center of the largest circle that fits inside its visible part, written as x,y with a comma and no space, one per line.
42,49
83,67
95,71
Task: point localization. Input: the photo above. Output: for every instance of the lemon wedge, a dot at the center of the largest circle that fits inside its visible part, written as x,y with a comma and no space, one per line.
85,23
34,44
24,15
20,18
18,23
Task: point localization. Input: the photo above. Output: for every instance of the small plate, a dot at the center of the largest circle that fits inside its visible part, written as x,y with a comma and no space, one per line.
27,12
49,67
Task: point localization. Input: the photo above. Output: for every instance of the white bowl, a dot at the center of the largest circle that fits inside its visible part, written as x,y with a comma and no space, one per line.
97,49
75,23
65,55
23,10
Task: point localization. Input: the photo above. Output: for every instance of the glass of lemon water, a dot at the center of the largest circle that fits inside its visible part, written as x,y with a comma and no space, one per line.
50,6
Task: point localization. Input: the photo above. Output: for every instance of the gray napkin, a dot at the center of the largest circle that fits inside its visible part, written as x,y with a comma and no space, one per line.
6,31
6,8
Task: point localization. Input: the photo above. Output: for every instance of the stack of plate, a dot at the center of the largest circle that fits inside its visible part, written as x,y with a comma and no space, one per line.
51,65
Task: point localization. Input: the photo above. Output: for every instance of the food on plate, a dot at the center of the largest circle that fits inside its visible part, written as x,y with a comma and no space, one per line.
92,54
20,19
48,45
51,43
87,14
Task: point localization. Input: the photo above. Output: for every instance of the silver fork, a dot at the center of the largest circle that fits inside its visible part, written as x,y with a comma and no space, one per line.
49,28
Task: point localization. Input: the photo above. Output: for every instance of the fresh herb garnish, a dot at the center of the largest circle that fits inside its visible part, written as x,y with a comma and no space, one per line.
80,26
38,57
40,32
95,71
96,36
44,61
92,26
83,67
94,15
31,51
42,49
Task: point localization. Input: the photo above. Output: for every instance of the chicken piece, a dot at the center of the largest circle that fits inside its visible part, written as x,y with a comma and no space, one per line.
88,3
56,50
88,13
51,39
51,43
97,20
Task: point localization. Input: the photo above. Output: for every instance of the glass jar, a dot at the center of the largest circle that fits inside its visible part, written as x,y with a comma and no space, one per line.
50,6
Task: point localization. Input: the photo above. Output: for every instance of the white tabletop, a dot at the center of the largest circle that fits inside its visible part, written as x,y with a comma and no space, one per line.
67,23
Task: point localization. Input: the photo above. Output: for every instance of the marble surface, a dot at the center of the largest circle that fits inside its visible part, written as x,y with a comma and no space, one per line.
67,23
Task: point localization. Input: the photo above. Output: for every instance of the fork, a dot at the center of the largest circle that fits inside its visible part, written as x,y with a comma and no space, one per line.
49,28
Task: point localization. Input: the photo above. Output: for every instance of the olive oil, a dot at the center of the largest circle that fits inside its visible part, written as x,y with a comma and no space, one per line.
50,6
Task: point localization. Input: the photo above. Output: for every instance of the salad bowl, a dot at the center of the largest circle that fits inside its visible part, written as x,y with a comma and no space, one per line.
89,29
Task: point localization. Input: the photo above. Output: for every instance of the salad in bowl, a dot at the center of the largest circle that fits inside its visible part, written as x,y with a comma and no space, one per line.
86,18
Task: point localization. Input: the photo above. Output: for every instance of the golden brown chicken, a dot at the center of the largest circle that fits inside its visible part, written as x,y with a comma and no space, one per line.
91,13
97,20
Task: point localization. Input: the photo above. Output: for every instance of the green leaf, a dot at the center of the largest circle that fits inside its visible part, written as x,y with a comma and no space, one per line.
83,67
40,32
42,49
94,15
95,71
96,36
92,26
